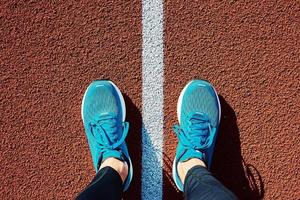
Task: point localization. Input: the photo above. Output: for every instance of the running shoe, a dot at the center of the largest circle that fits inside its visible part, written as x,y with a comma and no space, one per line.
103,114
199,113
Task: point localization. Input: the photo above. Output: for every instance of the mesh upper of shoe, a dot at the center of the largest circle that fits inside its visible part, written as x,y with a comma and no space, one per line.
200,99
102,99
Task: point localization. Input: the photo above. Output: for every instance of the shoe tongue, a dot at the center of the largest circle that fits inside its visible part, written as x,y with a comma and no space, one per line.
112,154
200,136
108,123
192,153
198,128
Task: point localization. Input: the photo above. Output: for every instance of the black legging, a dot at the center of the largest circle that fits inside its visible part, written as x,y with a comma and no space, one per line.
199,184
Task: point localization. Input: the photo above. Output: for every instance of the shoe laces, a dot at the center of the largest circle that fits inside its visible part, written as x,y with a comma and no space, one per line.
198,135
105,131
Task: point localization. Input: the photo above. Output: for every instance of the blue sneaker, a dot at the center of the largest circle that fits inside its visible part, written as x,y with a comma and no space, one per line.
103,114
199,113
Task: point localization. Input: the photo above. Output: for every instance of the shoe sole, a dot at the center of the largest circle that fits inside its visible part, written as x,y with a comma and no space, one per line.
179,103
123,106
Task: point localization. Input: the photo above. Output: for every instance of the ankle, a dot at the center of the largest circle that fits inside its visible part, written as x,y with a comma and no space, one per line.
120,166
184,167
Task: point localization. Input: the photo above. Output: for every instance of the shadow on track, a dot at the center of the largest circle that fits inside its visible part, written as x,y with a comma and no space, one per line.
134,143
228,164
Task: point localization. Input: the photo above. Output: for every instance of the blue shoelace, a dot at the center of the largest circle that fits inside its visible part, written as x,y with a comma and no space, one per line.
198,135
104,130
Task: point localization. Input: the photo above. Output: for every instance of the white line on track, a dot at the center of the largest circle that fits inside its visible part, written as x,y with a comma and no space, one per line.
152,97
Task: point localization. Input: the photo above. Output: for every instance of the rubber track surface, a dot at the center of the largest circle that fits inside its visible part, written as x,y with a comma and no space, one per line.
51,50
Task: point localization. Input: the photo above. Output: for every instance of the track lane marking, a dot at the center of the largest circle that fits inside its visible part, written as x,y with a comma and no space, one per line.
152,99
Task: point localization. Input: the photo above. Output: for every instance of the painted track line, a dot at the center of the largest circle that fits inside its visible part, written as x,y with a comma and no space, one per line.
152,99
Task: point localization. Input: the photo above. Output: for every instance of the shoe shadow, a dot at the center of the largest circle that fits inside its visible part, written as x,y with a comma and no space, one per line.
228,164
151,168
134,143
170,189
